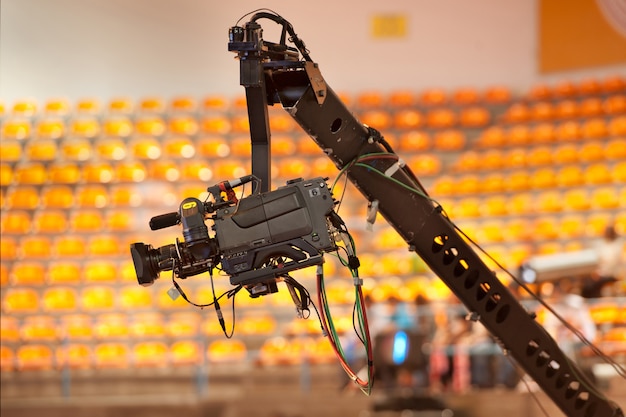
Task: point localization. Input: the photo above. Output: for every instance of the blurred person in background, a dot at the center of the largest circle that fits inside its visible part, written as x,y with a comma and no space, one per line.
610,266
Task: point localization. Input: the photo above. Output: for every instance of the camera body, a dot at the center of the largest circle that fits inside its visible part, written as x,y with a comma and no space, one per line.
256,239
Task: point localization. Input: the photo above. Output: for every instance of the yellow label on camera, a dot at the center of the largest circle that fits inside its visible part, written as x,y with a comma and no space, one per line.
189,205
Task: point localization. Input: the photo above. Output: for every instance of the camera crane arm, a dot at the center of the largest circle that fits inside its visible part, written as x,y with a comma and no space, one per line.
278,77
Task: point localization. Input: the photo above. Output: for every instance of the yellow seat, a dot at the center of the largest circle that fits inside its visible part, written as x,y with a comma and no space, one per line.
31,174
88,106
120,105
570,176
112,355
51,222
183,125
565,154
92,196
216,125
150,126
605,197
590,107
179,147
591,152
151,105
98,297
565,89
64,173
60,299
101,271
118,127
164,170
543,178
550,201
9,329
125,196
135,298
52,129
619,172
146,147
77,326
16,223
64,273
39,329
6,175
35,247
70,246
572,226
596,174
185,353
198,170
98,172
150,354
25,197
576,199
75,356
35,357
227,351
11,150
20,300
111,149
28,273
518,181
120,221
17,129
130,171
182,324
25,107
88,221
41,150
105,245
77,149
4,275
85,127
8,248
111,326
147,325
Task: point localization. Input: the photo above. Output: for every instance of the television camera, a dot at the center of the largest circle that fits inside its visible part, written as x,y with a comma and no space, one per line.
256,239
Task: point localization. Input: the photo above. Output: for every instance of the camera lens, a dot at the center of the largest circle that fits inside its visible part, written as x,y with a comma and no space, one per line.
146,261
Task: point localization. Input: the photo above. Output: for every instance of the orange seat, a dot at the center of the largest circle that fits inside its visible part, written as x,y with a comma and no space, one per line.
150,126
613,84
517,113
566,109
378,119
492,137
88,221
589,87
281,122
76,149
465,96
294,168
31,174
26,198
406,119
18,129
111,326
70,246
307,146
183,104
619,172
323,167
85,127
215,103
111,355
543,178
594,129
120,105
146,148
75,356
60,299
151,105
565,154
441,118
539,92
88,106
426,165
28,273
449,140
518,181
62,273
8,248
591,152
565,89
20,300
179,147
124,196
518,135
496,205
414,141
164,170
35,247
183,125
370,99
51,129
130,171
11,150
444,186
16,223
97,297
617,126
7,359
198,170
117,127
497,95
64,173
111,149
401,98
542,111
283,145
92,196
474,117
543,133
550,201
539,156
6,175
34,357
150,354
4,275
590,107
568,131
98,172
614,104
9,329
39,329
216,125
433,97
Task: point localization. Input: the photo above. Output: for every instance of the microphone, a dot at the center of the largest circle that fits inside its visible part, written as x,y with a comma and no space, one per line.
229,185
164,220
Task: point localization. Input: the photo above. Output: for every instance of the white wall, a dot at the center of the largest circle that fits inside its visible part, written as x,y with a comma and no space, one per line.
104,48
